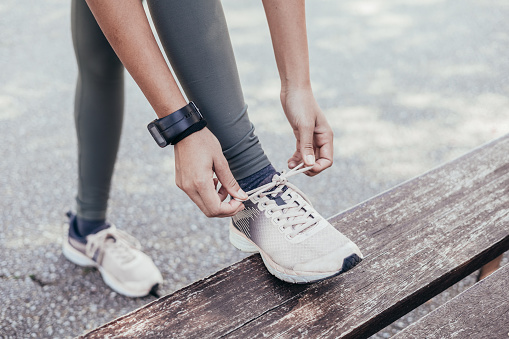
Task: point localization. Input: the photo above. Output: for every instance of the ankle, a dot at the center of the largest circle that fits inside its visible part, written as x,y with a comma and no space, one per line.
86,227
257,179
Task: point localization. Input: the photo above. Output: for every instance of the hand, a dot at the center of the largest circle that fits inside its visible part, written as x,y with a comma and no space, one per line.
197,157
312,131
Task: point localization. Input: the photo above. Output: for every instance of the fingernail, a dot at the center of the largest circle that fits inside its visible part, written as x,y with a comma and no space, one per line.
310,159
292,164
242,194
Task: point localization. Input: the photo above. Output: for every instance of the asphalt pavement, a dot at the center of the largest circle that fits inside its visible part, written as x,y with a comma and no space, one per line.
406,86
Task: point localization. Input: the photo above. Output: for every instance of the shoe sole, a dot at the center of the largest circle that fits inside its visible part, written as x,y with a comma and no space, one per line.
241,242
82,260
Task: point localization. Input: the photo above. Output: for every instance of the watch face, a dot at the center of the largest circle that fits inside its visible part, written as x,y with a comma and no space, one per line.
157,135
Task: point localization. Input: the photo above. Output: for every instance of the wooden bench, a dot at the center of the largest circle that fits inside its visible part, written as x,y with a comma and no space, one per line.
418,239
482,311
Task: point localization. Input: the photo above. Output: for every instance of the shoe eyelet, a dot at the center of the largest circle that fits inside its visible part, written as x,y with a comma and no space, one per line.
269,212
289,237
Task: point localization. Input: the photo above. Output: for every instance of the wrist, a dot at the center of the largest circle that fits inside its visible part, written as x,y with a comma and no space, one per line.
176,126
295,90
192,140
295,85
168,108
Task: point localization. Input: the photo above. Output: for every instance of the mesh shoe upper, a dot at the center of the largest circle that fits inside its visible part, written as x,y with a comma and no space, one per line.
124,267
279,219
120,253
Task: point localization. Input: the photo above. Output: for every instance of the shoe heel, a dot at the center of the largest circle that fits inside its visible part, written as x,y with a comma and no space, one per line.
75,256
241,242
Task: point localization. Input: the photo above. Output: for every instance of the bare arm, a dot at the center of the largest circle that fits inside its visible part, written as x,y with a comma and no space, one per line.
287,24
126,27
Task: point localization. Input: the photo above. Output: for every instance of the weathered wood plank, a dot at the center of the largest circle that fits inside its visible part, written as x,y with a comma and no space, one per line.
207,308
482,311
418,239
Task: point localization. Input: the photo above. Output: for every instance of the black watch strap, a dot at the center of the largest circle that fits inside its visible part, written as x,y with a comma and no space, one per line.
193,128
188,111
176,126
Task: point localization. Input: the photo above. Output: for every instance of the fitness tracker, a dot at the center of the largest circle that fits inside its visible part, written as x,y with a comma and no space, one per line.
176,126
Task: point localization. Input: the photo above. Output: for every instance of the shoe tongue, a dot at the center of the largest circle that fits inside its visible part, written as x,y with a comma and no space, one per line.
267,179
279,197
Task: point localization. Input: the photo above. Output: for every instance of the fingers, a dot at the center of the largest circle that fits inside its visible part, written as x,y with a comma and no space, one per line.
222,193
324,156
214,204
294,160
307,149
197,157
320,165
227,180
210,202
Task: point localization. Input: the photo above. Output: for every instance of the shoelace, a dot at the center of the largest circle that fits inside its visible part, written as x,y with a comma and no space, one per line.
122,249
296,215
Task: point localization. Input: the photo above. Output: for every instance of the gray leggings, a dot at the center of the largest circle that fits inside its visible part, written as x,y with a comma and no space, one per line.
196,40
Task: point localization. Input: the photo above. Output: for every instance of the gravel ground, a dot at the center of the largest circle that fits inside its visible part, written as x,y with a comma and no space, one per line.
405,85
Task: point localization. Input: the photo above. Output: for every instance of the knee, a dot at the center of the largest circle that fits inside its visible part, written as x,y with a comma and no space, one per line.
103,66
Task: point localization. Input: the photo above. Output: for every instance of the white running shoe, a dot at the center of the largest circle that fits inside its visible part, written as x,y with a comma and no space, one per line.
296,243
118,257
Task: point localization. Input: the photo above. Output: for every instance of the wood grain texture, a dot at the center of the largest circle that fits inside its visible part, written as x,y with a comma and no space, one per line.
481,312
418,239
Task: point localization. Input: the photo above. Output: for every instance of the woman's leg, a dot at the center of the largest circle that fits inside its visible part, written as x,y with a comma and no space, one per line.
98,112
98,115
195,37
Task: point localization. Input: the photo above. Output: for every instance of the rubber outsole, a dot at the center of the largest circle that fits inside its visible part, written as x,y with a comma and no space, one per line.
78,258
242,243
350,262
